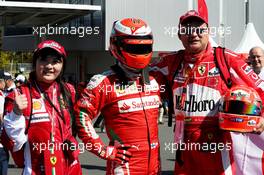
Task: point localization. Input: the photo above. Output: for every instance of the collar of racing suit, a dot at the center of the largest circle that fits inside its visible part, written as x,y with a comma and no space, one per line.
130,73
196,58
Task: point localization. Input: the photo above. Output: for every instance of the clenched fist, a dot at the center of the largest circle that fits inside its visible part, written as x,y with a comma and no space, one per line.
20,103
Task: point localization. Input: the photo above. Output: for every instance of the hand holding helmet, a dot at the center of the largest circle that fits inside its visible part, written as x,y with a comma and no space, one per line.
240,110
260,126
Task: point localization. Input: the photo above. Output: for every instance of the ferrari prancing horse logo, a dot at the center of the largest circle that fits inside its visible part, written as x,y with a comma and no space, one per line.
202,69
53,160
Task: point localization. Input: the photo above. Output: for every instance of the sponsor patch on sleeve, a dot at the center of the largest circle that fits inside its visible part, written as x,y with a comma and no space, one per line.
246,68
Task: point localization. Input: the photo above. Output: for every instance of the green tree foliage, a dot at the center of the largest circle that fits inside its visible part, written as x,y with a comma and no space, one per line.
9,60
4,59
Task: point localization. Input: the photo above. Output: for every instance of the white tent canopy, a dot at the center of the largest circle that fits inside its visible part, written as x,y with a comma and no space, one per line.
250,39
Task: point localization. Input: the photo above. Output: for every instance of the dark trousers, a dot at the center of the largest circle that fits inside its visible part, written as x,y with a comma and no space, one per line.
4,158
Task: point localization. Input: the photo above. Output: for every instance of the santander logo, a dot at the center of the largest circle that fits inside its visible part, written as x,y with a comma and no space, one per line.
125,107
145,104
137,104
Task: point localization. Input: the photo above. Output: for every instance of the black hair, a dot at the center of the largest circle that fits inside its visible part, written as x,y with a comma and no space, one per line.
67,100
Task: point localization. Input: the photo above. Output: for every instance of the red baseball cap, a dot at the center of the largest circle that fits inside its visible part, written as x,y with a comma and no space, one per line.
192,14
53,45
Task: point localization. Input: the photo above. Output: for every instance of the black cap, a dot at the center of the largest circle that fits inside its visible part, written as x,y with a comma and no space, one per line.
5,75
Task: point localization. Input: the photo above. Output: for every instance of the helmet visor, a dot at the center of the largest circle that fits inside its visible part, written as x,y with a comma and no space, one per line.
137,48
135,44
241,108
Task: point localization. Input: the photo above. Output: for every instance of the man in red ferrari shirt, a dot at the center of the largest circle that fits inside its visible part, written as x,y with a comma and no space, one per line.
197,86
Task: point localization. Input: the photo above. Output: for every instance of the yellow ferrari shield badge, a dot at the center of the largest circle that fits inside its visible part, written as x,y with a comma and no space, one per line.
53,160
202,69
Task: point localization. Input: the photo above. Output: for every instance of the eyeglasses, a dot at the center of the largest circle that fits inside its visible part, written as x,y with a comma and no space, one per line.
188,30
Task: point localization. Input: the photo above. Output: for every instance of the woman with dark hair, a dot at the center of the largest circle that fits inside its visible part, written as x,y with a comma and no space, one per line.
39,114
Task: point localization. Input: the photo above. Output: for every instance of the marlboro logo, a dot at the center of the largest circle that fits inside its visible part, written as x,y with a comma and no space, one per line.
192,105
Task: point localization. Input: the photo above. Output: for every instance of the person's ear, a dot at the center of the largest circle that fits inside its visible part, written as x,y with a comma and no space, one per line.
179,35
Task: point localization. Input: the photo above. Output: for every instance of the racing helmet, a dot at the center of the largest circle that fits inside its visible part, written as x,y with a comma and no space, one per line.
131,42
240,109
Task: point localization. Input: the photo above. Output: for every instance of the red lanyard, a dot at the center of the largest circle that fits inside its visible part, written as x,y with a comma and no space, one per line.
184,89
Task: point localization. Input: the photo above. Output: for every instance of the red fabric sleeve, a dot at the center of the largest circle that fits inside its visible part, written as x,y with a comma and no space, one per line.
88,107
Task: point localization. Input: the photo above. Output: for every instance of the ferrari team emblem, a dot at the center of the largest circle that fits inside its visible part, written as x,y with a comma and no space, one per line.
53,160
202,69
210,136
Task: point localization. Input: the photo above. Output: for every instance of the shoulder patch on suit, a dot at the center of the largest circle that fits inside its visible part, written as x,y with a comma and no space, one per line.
97,79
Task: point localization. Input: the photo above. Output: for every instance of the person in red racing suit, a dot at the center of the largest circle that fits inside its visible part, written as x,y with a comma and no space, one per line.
197,85
128,103
43,134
